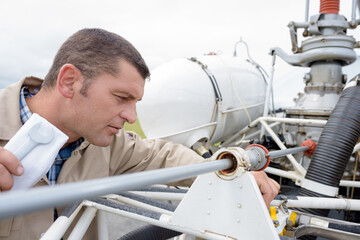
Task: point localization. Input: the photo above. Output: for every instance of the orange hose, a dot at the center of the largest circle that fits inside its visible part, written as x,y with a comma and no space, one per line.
329,6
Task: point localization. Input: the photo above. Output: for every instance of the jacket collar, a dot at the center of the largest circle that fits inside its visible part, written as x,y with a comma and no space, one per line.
10,106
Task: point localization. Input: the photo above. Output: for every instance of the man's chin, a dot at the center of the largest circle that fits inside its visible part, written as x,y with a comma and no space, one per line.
101,142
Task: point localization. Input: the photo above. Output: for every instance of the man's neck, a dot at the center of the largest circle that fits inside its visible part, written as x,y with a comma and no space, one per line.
46,104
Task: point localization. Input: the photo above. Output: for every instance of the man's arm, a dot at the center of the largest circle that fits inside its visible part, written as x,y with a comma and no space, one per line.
9,164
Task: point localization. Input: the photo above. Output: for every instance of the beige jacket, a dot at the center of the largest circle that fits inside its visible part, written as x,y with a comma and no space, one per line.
127,153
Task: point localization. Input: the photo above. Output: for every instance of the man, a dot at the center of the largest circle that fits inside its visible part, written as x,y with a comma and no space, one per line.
89,93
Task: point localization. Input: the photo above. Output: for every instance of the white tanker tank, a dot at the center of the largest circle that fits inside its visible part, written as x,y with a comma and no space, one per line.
205,99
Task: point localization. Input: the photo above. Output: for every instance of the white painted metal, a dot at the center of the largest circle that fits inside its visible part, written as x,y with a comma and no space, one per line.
281,173
162,222
83,224
293,161
103,230
348,183
320,203
229,208
59,227
273,119
180,96
268,93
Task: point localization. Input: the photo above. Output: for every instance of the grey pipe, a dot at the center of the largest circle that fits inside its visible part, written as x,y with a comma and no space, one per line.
25,201
280,153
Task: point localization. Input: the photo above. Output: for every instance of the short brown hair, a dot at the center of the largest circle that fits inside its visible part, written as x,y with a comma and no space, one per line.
94,51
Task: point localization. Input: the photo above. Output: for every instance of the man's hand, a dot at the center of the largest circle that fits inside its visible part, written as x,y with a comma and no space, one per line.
268,186
9,164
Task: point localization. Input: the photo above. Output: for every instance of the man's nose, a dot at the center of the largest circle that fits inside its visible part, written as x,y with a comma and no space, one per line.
129,113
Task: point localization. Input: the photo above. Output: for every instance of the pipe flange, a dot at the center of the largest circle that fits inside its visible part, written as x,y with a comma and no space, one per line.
239,159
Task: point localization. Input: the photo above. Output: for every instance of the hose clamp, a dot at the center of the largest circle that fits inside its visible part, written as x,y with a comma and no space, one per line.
319,188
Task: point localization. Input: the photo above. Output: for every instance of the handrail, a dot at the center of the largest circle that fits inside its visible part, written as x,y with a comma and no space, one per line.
25,201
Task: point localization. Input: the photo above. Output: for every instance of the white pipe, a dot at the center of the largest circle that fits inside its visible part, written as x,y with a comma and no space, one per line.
274,119
307,10
353,13
57,230
103,230
83,224
347,183
268,93
320,203
162,222
281,173
293,161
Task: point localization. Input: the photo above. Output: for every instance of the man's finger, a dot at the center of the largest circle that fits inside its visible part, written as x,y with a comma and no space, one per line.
10,162
6,180
269,188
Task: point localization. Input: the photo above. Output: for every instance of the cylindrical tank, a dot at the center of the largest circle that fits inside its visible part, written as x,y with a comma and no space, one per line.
207,99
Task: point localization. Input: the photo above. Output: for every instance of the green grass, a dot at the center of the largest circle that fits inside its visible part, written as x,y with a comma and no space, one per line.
136,127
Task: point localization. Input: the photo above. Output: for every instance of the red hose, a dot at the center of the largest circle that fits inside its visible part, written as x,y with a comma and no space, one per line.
329,6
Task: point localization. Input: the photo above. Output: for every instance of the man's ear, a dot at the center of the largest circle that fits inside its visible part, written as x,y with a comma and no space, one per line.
68,76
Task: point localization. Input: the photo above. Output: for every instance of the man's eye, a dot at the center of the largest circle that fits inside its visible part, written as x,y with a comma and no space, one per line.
122,98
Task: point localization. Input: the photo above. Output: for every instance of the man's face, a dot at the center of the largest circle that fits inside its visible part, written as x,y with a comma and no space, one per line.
109,103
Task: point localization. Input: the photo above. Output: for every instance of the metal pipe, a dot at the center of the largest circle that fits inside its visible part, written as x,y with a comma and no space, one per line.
103,231
353,13
284,152
57,230
307,10
319,203
251,135
281,173
274,119
268,93
348,183
25,201
164,221
293,161
293,176
83,224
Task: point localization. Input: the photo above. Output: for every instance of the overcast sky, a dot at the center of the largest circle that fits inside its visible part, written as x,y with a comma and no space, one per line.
33,30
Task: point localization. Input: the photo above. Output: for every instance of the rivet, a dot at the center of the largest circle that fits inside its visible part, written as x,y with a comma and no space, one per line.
239,205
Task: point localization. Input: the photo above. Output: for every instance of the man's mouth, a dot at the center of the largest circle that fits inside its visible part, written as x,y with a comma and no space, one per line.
114,130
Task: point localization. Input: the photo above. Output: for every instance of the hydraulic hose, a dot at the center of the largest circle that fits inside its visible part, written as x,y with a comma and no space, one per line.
335,146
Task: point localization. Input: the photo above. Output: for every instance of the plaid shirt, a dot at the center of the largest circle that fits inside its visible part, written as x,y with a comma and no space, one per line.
63,154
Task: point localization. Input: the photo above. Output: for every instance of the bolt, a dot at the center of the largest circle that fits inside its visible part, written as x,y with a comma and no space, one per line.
210,183
208,212
209,197
240,186
239,205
